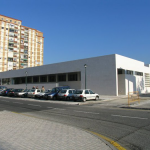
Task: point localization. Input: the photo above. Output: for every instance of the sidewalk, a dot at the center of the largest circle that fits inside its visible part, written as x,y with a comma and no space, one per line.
122,102
24,132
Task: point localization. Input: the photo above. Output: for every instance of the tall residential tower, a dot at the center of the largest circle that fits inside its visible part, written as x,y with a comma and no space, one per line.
20,46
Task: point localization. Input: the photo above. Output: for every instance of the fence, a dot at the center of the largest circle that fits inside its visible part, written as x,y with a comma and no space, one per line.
133,96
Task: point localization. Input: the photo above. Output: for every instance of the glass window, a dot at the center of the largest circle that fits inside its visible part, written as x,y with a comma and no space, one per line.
138,73
91,92
52,78
63,91
86,92
70,91
129,72
78,92
36,79
43,78
62,77
72,77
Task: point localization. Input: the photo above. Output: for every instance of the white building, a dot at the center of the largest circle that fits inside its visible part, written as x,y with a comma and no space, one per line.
107,75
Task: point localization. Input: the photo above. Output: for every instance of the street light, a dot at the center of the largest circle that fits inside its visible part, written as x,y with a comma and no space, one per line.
85,74
26,78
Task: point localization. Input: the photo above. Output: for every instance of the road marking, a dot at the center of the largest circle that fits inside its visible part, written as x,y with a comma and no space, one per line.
86,112
4,101
50,107
34,105
18,102
115,144
59,108
128,117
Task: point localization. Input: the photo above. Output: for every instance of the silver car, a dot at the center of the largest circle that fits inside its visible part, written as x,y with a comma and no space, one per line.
66,94
33,92
85,94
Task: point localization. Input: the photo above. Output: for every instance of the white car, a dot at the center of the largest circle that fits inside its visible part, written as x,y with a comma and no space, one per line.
41,95
66,94
33,92
85,94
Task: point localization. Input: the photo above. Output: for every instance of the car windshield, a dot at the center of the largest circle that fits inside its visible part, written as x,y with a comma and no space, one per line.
32,91
18,90
78,92
25,90
63,91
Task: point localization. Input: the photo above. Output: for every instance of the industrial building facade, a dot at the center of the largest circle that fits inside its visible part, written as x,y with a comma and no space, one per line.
20,46
106,75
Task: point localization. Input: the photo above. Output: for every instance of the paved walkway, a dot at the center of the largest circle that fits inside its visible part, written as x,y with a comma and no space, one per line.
23,132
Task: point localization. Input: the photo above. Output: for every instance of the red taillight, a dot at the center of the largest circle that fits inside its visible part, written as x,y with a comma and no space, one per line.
33,92
65,95
81,95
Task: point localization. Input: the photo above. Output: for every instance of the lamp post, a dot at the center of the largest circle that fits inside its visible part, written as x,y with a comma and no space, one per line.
26,78
85,74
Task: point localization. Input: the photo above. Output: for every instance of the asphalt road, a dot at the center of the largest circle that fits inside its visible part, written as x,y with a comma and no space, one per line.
129,128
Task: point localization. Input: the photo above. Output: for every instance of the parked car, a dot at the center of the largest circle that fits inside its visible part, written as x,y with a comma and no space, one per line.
33,92
21,93
66,94
17,91
53,94
41,95
85,94
2,88
5,92
11,92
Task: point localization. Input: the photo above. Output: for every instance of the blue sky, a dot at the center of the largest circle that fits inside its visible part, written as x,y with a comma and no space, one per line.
77,29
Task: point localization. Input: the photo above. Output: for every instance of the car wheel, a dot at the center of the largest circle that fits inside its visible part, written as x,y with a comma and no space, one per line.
54,98
22,96
67,98
96,98
84,99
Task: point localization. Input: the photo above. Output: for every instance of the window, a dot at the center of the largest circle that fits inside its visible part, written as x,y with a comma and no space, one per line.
6,28
2,27
52,78
138,73
86,92
91,92
2,18
121,71
62,77
43,78
72,77
36,79
10,20
129,72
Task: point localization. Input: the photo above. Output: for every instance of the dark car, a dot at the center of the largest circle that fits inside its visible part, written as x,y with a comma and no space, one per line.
53,94
11,92
5,92
2,88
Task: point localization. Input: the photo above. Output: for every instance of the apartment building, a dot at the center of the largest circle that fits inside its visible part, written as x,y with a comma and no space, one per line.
20,46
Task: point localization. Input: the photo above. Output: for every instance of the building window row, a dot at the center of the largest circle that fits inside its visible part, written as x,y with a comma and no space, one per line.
130,72
48,78
10,20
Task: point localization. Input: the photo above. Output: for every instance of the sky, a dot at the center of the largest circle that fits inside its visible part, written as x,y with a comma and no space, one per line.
78,29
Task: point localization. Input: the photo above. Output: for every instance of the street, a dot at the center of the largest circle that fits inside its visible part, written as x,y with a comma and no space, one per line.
129,128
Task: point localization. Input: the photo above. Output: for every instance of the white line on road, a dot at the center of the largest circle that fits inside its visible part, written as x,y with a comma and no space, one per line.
128,117
87,112
18,102
34,105
59,109
4,101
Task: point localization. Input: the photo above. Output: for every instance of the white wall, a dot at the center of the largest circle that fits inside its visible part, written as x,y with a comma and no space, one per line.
121,84
132,82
